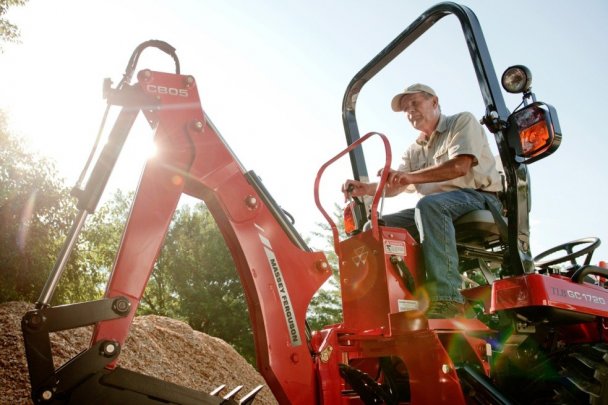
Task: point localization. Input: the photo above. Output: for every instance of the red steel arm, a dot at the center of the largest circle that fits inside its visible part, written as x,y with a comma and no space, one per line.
279,276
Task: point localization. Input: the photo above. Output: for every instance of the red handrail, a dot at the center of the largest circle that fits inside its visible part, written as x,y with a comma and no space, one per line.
377,195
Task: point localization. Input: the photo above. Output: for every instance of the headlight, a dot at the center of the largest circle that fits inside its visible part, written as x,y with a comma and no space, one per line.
517,79
536,132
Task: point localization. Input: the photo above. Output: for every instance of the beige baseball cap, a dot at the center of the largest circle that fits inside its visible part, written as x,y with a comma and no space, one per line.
414,88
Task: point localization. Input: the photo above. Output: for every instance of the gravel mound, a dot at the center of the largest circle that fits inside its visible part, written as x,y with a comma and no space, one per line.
157,346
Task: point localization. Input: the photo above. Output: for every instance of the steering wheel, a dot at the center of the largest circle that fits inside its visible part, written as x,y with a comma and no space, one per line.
590,245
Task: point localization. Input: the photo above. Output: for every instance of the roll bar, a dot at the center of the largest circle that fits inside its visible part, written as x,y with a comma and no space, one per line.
516,197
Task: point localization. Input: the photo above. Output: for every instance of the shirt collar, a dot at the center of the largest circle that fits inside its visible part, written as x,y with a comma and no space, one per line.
442,126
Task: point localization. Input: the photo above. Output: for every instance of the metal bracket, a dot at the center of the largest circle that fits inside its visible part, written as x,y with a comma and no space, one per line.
37,325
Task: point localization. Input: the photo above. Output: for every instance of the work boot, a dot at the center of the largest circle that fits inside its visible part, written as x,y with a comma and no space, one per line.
444,310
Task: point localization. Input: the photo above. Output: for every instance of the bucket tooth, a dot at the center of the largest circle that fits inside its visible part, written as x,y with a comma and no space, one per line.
248,399
233,392
217,390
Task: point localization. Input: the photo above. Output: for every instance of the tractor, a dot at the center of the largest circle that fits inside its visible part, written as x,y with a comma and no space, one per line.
534,331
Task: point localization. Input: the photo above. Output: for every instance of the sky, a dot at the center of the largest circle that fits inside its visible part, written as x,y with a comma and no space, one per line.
272,74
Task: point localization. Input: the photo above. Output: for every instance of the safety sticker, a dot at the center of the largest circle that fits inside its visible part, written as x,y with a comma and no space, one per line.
394,247
407,305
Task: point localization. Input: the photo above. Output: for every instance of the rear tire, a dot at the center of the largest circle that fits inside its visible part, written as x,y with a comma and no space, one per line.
577,374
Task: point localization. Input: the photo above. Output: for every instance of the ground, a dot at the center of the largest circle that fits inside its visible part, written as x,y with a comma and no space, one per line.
157,346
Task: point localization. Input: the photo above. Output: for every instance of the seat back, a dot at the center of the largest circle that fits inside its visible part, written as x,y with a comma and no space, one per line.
478,228
478,237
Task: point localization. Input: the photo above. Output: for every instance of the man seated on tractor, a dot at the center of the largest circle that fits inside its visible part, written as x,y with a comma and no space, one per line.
452,167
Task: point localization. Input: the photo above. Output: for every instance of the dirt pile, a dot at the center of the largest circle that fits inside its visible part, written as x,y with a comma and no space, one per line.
157,346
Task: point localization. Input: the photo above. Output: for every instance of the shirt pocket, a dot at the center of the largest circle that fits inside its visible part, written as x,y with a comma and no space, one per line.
418,162
441,156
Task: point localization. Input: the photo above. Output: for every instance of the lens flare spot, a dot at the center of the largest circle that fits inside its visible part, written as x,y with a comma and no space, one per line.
177,180
25,221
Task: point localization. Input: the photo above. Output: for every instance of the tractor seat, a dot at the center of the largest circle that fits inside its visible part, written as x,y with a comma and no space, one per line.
477,227
478,242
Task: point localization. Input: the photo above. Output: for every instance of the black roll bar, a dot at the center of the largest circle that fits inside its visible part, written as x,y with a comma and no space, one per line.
517,202
490,88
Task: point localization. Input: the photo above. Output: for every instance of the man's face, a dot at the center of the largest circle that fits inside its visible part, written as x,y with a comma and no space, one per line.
420,108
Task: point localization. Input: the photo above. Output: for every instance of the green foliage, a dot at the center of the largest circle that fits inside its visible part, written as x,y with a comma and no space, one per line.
9,32
205,285
160,296
326,306
93,256
34,212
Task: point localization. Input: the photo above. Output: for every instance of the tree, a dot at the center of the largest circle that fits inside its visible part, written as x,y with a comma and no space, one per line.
90,263
204,283
161,294
9,32
326,306
34,212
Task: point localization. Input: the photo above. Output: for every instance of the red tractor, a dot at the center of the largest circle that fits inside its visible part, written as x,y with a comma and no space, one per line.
535,332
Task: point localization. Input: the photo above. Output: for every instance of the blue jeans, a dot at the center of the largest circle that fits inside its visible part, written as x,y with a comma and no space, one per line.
432,223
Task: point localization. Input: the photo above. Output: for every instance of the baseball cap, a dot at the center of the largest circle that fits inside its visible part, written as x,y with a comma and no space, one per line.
414,88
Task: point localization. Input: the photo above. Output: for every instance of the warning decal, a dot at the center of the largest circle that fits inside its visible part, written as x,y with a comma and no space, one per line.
407,305
394,247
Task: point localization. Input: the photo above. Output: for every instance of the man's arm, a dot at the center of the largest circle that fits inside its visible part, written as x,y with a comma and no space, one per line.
398,181
451,169
354,188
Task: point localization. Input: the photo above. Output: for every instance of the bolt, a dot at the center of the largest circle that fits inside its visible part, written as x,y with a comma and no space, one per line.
322,265
251,202
47,395
445,368
189,81
295,358
121,306
35,320
198,125
109,348
145,75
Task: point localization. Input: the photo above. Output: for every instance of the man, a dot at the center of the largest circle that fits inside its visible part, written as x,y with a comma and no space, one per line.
452,167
